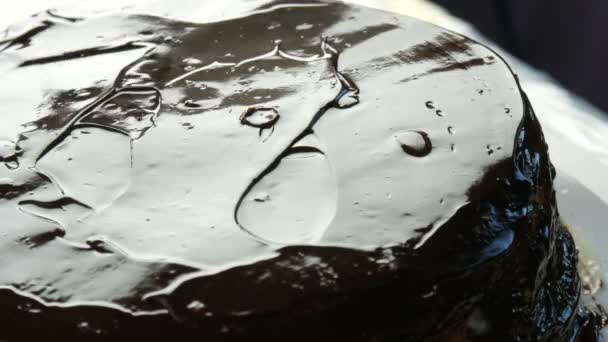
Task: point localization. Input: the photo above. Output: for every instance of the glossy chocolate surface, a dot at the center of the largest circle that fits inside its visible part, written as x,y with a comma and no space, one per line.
302,172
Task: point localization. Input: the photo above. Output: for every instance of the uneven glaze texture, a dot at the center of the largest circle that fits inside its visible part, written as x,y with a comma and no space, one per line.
305,172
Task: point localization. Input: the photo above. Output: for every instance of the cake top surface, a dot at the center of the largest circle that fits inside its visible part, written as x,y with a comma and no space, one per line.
140,152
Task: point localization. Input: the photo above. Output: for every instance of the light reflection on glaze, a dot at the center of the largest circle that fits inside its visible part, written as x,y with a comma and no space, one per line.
156,182
149,87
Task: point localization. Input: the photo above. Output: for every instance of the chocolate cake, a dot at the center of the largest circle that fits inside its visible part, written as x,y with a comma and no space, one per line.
303,172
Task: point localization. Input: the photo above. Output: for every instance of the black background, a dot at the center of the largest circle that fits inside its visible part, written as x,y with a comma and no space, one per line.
567,38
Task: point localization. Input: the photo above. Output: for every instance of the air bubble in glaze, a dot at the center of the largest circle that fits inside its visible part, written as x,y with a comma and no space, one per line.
415,143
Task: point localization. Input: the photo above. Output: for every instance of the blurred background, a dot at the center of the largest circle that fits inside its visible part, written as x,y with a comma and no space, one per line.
563,37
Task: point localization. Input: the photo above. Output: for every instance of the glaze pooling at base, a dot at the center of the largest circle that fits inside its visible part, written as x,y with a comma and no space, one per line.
266,172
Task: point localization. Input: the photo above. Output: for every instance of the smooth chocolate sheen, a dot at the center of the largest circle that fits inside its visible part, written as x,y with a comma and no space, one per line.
303,172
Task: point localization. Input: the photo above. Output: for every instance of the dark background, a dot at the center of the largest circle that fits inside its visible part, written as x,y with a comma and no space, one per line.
566,38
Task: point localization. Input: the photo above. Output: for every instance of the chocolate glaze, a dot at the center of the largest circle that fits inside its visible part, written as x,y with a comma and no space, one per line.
303,172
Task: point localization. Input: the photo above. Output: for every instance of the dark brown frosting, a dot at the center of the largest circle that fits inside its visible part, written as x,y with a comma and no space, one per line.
304,172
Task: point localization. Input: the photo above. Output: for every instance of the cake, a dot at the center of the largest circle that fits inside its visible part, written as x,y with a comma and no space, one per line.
303,172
